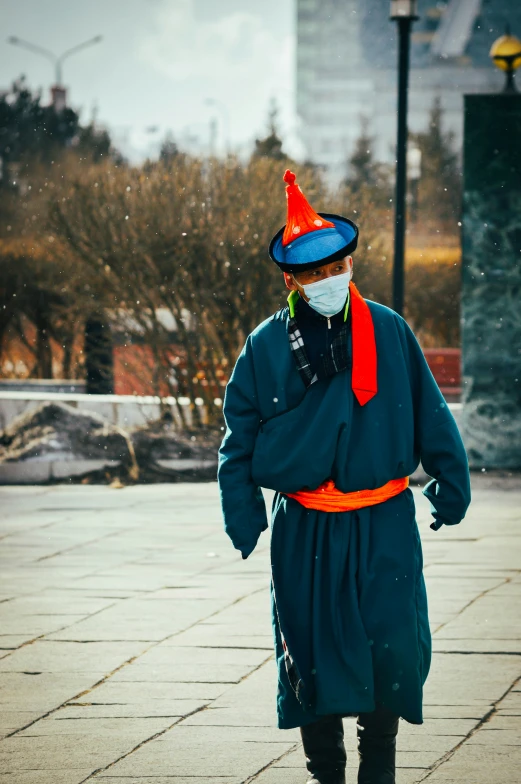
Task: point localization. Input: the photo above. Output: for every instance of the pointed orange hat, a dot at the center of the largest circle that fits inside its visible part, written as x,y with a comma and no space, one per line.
310,239
302,218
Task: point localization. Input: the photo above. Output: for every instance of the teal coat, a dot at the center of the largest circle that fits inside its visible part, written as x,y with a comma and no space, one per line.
349,606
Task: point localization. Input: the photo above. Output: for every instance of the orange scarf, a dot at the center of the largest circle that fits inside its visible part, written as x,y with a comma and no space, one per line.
327,498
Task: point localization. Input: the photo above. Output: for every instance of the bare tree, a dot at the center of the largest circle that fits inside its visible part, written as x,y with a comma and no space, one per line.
188,236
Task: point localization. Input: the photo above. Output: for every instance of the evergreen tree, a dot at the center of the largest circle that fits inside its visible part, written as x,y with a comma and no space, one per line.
439,190
169,149
361,167
28,128
363,171
271,145
94,142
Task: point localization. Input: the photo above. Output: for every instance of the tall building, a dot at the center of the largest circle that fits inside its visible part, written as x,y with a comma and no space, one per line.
346,69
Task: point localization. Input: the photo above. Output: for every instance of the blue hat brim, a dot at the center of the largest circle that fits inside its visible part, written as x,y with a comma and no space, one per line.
317,247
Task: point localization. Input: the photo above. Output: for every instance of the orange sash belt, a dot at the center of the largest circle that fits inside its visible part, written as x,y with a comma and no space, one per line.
327,498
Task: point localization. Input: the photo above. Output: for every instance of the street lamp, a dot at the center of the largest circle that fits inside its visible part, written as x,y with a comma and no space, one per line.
213,136
57,61
403,12
506,54
226,119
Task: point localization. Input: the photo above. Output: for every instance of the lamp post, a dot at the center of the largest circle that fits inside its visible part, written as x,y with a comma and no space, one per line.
403,12
57,61
226,119
213,136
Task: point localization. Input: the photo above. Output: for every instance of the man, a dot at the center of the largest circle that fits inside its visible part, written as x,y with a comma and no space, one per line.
332,405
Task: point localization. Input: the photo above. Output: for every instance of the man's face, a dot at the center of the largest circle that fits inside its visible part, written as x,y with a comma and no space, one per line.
295,280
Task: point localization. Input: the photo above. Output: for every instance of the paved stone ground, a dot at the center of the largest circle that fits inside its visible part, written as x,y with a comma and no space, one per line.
135,644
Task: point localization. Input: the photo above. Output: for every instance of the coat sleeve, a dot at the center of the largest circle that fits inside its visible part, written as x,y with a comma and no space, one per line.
438,442
242,502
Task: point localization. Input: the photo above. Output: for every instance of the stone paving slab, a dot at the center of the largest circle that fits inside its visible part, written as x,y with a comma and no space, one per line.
159,779
40,776
46,655
136,645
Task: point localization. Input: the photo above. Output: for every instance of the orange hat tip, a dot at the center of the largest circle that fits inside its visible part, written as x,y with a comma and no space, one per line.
289,177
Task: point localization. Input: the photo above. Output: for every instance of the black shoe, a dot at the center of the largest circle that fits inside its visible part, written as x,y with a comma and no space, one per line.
377,746
323,742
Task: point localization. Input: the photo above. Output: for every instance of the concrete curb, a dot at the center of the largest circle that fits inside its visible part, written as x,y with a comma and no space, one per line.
37,472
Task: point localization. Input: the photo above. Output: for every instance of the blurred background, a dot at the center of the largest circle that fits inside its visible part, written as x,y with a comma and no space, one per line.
142,147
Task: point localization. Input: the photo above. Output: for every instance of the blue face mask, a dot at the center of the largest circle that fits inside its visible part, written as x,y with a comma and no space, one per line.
328,296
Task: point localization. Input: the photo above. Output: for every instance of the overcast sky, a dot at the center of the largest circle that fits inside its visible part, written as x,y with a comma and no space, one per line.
158,63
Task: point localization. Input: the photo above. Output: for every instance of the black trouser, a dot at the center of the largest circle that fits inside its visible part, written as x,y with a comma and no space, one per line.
323,743
377,746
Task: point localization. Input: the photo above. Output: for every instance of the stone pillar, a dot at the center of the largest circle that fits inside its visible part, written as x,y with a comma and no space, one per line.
491,285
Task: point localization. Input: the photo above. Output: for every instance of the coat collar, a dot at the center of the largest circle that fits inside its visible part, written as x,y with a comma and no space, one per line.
295,300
